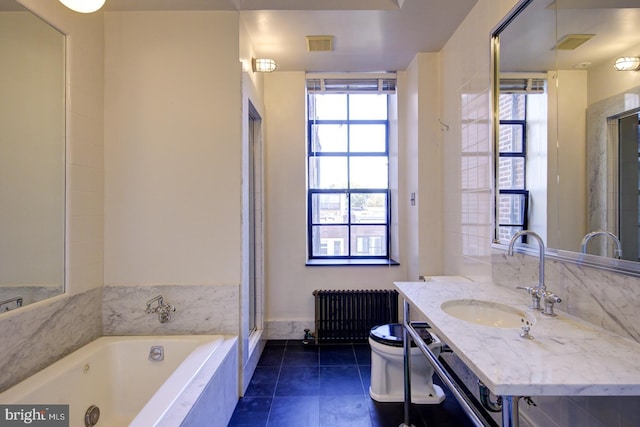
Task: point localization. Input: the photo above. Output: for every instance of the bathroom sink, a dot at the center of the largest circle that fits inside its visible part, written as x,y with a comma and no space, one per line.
487,313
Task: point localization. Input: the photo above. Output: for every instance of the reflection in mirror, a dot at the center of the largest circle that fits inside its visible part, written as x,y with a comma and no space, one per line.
587,181
523,105
32,158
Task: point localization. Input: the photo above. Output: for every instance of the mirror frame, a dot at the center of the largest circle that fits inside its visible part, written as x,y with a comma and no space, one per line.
603,263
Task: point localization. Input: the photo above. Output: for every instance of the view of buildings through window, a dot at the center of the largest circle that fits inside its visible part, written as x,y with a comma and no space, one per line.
348,175
513,197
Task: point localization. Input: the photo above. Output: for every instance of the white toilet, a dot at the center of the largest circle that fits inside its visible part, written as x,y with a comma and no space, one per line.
387,366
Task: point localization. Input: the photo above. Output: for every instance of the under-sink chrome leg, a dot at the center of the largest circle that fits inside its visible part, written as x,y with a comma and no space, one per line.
406,344
510,412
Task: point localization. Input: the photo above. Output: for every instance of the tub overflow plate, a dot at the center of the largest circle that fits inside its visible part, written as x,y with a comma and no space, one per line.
92,416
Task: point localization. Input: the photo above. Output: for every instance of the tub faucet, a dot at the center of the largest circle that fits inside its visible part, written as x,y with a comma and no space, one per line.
538,293
163,310
618,250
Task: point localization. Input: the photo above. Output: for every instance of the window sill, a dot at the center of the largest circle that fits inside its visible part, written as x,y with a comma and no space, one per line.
350,262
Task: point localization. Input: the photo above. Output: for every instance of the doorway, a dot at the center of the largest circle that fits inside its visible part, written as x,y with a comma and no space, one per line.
629,185
255,219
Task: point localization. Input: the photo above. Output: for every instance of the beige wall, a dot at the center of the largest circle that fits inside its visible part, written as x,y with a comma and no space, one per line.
289,283
448,169
173,148
605,81
423,168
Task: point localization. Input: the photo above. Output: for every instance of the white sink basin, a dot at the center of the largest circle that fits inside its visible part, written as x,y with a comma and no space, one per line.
487,313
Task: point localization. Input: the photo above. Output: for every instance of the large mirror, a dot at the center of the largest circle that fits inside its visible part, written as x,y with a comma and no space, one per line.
32,157
566,127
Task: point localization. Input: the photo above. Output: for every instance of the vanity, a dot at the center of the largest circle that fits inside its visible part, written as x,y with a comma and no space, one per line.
560,356
559,111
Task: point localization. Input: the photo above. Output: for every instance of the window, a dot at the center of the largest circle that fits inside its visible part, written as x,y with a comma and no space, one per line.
348,176
522,146
513,198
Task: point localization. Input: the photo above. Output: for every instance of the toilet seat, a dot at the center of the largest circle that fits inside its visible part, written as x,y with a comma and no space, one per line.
392,334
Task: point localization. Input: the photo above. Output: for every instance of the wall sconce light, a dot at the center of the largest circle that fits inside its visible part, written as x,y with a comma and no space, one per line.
83,6
263,65
627,63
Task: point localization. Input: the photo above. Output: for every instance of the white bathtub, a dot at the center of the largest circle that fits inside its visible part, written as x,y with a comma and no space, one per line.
195,384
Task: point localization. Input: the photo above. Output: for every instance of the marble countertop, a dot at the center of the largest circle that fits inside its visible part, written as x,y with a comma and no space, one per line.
567,357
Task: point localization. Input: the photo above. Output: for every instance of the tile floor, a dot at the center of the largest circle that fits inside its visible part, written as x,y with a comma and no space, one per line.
328,385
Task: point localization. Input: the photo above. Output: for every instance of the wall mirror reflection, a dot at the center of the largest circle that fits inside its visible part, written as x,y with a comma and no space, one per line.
566,127
32,158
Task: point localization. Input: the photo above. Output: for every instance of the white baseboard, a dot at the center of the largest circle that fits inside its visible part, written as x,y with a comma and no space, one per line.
288,329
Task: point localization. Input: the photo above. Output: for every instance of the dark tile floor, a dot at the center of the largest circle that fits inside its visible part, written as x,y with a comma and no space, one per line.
328,385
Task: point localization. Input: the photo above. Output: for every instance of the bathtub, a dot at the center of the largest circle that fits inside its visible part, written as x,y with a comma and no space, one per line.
195,384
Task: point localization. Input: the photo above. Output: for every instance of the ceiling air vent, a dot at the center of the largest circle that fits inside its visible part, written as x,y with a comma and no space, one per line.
319,43
572,41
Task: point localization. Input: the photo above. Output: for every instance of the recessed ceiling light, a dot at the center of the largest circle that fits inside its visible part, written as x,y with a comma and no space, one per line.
582,65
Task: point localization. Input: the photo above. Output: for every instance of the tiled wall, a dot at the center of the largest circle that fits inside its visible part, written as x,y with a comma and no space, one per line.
199,310
41,333
467,146
603,298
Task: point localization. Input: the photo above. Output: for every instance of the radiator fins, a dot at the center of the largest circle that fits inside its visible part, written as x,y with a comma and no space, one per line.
348,316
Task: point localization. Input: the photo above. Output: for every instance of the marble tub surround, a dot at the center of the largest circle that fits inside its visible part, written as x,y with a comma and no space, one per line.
199,310
211,397
41,333
607,299
568,356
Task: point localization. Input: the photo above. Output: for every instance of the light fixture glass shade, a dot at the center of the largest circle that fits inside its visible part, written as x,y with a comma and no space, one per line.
83,6
263,65
627,63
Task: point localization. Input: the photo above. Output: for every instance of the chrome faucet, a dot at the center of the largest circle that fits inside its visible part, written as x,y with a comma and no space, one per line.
538,293
163,310
618,250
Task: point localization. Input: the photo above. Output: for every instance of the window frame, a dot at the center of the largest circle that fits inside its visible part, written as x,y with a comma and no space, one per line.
351,257
522,154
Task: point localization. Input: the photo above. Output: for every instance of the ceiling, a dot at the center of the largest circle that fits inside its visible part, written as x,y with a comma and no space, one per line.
369,35
526,45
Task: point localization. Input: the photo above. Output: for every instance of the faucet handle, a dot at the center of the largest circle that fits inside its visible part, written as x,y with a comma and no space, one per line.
168,308
535,295
549,299
159,299
163,309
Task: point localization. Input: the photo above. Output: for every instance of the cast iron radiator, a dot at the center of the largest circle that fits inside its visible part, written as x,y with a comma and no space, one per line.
348,316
